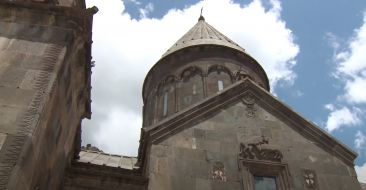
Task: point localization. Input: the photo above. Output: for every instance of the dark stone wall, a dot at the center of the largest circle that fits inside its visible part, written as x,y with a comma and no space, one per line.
86,176
186,82
44,93
207,155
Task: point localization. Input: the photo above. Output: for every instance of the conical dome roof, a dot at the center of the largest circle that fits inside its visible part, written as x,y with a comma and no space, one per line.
202,34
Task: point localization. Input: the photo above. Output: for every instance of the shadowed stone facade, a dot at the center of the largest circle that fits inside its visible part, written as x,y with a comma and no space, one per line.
209,121
44,90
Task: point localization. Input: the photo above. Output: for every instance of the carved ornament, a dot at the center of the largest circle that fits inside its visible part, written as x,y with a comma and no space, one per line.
249,101
309,179
218,172
241,75
255,150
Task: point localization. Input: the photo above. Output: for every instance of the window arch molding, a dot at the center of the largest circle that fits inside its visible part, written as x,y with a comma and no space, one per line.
191,87
166,96
219,69
190,72
218,78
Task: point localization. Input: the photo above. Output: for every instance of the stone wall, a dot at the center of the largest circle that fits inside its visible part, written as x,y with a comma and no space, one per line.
87,176
214,154
44,93
186,83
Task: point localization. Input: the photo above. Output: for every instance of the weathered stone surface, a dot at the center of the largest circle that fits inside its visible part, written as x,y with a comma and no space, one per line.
38,120
2,139
217,129
218,139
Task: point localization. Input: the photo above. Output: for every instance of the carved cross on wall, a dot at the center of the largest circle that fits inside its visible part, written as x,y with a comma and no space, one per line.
218,172
309,179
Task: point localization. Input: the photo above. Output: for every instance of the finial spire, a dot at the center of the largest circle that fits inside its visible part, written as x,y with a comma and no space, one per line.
201,17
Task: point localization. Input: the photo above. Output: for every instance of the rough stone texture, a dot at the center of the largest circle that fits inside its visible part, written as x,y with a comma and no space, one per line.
363,186
187,71
210,123
43,92
185,160
82,176
191,83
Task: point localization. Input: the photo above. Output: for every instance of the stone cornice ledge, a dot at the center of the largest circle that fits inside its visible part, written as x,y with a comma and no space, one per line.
213,104
71,11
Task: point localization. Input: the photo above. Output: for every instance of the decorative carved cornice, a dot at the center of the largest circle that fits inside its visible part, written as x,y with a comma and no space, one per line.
45,85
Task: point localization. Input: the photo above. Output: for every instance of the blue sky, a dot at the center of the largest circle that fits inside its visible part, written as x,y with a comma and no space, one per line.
313,51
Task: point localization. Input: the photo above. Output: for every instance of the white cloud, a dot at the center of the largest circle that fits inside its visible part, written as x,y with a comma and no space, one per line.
333,42
144,12
351,66
297,93
135,2
125,49
355,89
360,140
351,71
361,173
329,107
342,117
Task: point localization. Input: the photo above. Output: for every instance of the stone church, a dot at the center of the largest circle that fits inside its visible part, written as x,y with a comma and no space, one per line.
209,119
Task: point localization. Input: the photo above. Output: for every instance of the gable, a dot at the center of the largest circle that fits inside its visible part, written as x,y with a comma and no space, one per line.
252,97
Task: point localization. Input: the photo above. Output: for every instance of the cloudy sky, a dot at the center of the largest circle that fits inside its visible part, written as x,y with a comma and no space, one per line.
314,53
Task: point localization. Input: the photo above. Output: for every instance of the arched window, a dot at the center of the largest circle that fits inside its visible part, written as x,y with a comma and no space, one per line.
166,97
190,87
218,78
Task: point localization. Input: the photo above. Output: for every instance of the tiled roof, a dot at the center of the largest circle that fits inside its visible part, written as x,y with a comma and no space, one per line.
203,33
111,160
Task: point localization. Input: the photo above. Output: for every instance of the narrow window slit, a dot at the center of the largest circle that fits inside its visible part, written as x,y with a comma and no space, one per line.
165,104
220,85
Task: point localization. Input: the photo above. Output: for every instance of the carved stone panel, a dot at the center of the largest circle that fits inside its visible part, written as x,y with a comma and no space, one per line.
249,101
309,177
255,150
218,172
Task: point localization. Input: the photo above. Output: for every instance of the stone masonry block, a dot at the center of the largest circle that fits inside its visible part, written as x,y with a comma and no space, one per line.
2,139
15,96
12,77
3,67
23,46
30,79
4,42
209,145
203,184
8,117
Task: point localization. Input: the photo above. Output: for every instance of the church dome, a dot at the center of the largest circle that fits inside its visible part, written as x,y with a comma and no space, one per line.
202,34
200,64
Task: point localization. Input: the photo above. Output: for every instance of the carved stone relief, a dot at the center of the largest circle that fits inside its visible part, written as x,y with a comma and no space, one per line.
241,75
255,150
249,101
218,172
309,177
